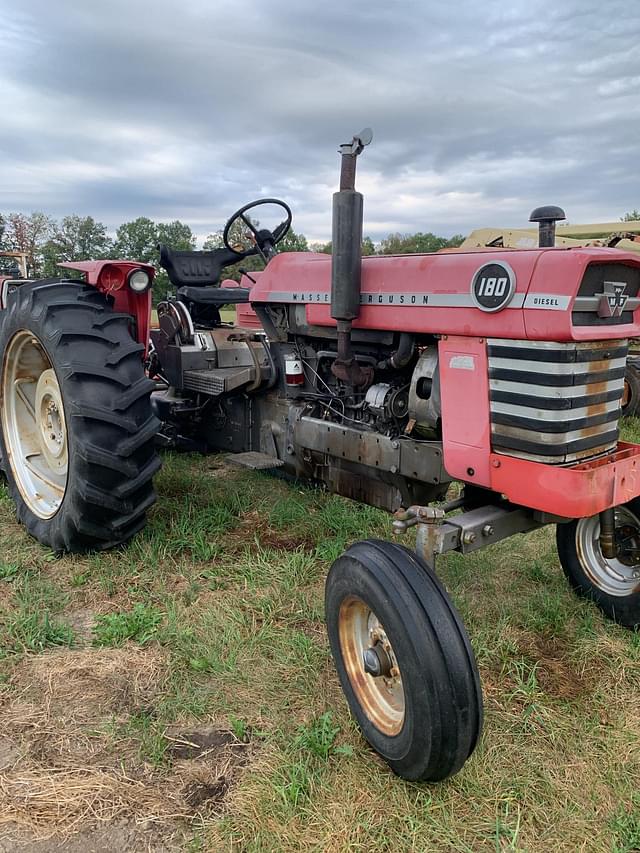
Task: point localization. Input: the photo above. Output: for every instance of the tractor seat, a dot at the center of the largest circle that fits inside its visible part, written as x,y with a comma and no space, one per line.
216,296
196,269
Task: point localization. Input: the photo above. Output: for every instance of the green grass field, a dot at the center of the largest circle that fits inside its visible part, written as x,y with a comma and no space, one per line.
178,694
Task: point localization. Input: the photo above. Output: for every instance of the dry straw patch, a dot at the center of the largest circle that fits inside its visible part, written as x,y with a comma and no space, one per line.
60,777
55,800
61,768
85,684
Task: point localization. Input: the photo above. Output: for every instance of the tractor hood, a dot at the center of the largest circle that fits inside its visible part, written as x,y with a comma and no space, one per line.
538,294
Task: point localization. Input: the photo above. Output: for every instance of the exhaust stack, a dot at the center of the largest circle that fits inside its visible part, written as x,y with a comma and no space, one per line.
347,262
546,217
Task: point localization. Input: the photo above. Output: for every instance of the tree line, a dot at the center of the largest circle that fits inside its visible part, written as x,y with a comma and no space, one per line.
48,242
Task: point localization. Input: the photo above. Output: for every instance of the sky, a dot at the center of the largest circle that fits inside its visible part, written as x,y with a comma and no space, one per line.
188,109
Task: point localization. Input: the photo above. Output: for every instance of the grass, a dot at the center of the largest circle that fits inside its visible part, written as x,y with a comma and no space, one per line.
28,612
187,680
625,827
139,624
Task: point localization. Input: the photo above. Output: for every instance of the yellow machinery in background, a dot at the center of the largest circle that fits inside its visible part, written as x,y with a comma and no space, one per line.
20,261
619,235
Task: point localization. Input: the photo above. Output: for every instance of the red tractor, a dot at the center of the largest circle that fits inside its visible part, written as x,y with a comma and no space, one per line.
384,379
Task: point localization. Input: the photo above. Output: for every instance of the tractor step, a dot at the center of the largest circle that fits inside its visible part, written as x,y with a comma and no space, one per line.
254,460
219,380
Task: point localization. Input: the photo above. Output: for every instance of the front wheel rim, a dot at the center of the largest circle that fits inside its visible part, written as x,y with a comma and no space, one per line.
381,697
34,425
612,576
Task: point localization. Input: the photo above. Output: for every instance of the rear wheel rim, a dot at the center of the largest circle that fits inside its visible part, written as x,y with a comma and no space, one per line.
34,425
612,575
380,697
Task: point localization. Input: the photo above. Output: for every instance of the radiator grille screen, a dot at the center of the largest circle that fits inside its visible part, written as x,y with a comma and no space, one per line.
555,402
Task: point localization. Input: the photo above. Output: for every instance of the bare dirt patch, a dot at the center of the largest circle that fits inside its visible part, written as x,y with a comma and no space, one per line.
197,794
81,621
254,526
208,761
124,836
557,675
195,744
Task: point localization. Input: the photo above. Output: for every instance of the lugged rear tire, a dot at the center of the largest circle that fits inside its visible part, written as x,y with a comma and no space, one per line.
423,713
82,477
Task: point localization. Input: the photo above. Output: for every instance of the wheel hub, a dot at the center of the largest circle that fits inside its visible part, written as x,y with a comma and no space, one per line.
50,417
34,425
371,665
628,542
618,576
376,661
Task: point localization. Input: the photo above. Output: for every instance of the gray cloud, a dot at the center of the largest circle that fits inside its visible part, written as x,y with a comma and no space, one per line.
188,109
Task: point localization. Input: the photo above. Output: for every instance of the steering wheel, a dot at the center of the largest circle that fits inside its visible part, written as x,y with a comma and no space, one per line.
265,240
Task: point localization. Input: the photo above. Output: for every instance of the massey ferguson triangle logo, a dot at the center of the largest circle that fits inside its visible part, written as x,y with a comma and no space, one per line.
613,300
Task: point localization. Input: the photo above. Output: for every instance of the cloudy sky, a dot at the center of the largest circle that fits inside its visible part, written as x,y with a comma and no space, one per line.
190,108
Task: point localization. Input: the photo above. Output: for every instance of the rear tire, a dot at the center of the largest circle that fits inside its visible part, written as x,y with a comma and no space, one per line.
423,713
77,439
612,584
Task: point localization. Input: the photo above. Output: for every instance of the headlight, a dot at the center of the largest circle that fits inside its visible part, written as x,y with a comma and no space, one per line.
139,281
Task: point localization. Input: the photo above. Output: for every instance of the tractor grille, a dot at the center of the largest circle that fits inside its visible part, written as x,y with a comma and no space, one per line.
555,402
589,308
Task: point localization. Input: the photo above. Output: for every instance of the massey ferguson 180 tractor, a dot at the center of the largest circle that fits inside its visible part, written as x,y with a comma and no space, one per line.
384,379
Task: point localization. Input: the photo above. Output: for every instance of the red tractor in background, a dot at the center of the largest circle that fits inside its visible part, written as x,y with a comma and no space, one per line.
383,379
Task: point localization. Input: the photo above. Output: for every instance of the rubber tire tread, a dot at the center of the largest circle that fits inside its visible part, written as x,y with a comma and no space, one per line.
624,610
443,698
110,430
632,378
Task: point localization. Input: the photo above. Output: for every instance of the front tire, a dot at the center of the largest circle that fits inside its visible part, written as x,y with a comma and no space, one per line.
77,427
612,584
630,403
404,660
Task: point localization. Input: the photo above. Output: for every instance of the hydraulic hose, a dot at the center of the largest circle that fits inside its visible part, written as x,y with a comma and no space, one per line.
403,355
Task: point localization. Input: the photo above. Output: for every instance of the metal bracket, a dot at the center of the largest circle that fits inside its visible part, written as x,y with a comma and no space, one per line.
466,532
433,537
